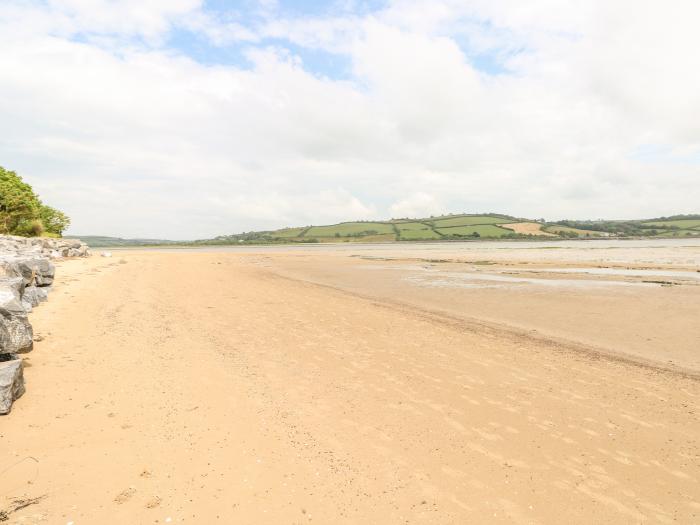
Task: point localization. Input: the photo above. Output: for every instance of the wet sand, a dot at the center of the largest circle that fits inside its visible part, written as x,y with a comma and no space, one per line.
361,386
633,309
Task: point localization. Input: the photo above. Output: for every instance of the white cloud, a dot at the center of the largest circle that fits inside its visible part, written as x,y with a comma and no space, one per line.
419,204
147,19
139,139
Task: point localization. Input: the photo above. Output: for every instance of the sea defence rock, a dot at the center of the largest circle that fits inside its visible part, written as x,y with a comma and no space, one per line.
43,246
15,331
33,296
11,381
35,270
26,276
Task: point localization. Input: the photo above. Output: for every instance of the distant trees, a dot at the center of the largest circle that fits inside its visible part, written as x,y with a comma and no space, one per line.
619,228
23,213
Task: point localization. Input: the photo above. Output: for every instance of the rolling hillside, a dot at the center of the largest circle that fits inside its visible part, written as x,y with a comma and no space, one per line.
468,227
428,229
442,228
100,241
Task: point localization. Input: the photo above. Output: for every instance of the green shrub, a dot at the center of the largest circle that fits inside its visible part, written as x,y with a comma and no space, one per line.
23,213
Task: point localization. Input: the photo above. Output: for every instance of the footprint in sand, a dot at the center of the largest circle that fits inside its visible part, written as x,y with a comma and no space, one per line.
153,502
125,495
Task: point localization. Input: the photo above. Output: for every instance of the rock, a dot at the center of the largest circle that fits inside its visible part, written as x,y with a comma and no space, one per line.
15,334
35,270
11,382
46,274
43,293
26,276
42,269
43,246
31,297
106,254
15,330
14,284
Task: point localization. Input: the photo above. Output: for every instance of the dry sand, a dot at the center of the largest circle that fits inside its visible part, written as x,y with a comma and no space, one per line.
176,387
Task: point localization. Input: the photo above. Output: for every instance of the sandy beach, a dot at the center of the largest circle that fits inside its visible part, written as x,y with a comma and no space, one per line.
388,384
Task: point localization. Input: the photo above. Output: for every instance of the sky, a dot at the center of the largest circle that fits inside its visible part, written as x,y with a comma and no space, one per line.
187,119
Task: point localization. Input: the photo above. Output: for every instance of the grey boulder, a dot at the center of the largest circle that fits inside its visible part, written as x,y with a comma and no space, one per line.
11,382
34,295
35,270
15,331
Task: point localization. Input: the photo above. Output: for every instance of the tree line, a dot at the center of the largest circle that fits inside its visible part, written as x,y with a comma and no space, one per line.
23,213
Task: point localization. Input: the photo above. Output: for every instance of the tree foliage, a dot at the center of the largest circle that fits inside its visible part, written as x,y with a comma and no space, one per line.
23,213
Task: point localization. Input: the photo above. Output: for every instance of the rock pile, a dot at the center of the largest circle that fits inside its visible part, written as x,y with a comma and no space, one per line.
43,246
26,276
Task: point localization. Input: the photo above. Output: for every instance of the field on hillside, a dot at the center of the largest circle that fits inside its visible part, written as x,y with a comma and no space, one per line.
678,233
572,231
528,228
482,230
348,229
683,224
428,229
469,221
290,232
470,227
416,231
443,227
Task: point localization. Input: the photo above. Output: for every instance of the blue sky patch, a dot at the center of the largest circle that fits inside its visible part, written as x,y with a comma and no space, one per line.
663,154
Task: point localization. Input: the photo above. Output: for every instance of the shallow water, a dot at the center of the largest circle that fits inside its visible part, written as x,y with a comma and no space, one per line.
456,246
482,280
620,271
648,252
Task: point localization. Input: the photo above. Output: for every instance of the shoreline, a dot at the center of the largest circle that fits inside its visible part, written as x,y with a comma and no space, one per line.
407,243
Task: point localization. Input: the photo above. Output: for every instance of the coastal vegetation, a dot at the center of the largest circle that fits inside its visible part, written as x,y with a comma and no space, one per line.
23,213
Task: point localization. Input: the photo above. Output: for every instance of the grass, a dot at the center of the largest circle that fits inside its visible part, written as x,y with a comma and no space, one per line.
348,229
384,237
469,220
417,235
681,233
484,230
414,231
683,224
447,227
413,226
287,233
566,229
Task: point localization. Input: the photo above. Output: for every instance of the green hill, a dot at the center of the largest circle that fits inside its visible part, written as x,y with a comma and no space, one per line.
98,241
445,227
